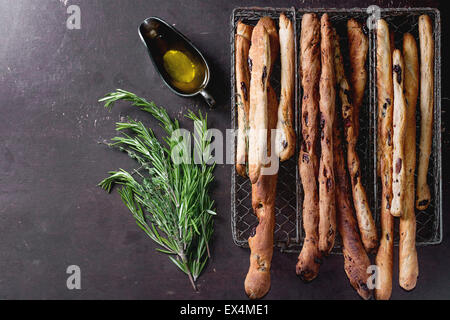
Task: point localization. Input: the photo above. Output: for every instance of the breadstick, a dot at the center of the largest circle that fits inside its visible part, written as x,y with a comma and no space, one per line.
285,136
358,46
309,259
356,260
260,60
364,216
257,281
380,110
385,98
327,213
408,263
242,46
399,128
423,196
274,39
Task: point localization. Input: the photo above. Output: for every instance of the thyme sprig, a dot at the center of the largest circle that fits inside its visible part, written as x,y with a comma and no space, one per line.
169,201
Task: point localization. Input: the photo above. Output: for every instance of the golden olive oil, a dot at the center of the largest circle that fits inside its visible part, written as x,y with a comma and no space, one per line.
185,72
179,67
179,63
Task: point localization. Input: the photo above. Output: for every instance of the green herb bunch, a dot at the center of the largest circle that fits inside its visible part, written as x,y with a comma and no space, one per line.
169,200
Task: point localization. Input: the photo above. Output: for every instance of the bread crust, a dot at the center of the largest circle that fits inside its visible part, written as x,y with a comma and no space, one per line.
274,39
310,258
327,210
364,216
242,46
358,45
356,261
408,262
285,136
257,281
423,196
385,100
399,128
260,58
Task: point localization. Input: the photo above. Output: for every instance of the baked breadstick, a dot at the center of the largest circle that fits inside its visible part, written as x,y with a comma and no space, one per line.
356,260
399,128
358,46
408,263
380,110
260,60
242,46
327,213
274,39
423,196
364,216
257,281
385,98
285,136
309,259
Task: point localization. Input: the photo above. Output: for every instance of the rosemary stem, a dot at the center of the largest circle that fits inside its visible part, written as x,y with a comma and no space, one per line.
184,260
207,250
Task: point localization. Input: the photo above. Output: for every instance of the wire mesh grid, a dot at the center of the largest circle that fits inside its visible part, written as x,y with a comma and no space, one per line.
288,233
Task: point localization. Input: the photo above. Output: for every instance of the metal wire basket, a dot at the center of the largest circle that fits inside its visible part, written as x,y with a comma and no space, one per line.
289,234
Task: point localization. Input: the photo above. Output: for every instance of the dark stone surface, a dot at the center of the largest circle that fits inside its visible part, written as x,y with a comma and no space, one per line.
52,214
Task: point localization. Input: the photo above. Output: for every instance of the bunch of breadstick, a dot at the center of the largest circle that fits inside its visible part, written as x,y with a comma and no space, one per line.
398,71
266,131
334,197
332,202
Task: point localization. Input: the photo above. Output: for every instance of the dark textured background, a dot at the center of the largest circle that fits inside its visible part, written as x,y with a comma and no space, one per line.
52,214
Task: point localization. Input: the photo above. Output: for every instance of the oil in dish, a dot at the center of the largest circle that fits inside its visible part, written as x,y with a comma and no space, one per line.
178,63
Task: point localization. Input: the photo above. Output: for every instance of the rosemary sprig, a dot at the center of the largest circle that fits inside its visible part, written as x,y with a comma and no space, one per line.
170,202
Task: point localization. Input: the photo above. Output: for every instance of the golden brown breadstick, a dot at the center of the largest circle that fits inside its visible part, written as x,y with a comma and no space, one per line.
260,64
242,46
423,196
364,216
257,281
309,259
285,136
356,260
271,29
399,128
327,210
380,110
358,46
408,263
385,99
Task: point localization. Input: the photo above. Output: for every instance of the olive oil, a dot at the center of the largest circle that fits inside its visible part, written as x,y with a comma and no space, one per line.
180,65
185,72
